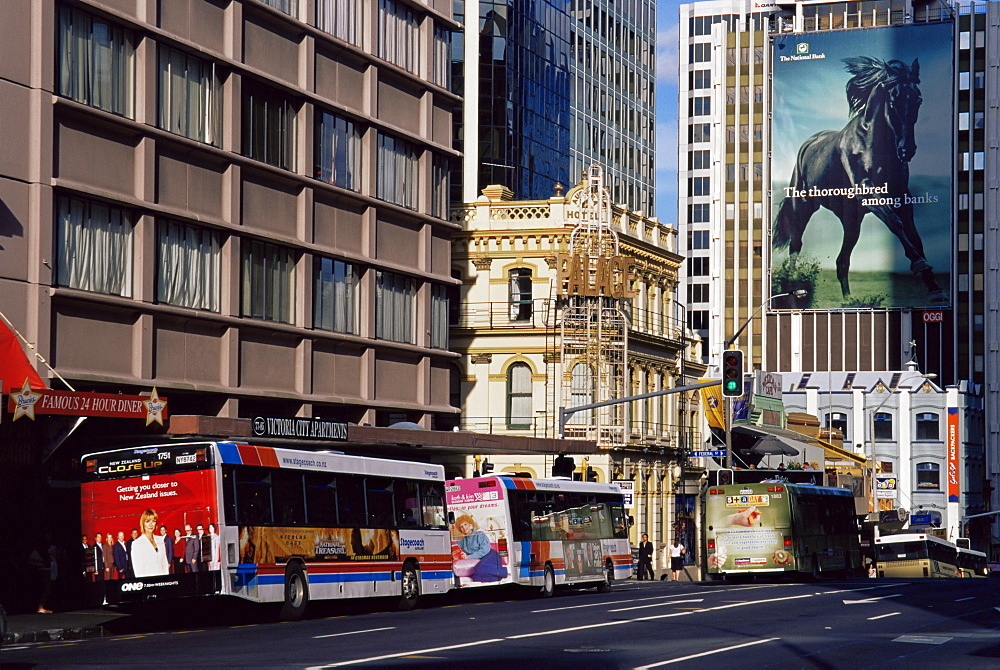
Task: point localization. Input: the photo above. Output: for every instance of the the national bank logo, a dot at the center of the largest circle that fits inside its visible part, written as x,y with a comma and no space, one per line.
802,53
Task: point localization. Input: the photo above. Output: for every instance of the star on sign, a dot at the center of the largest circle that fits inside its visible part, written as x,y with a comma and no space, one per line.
24,402
154,408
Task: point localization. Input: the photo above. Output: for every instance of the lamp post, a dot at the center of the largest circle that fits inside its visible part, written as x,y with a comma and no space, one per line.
728,410
871,434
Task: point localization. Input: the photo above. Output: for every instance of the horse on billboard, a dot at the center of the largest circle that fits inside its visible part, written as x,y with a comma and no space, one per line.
862,168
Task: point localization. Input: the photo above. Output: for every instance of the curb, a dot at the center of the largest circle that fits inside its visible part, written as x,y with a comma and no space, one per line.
55,635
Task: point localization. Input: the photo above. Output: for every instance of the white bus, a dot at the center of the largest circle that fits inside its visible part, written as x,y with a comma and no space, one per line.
537,532
916,554
265,524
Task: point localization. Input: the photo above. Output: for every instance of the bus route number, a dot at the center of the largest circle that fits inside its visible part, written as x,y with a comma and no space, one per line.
737,501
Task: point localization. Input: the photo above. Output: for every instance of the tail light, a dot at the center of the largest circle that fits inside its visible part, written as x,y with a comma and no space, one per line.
502,544
90,465
788,541
775,489
710,543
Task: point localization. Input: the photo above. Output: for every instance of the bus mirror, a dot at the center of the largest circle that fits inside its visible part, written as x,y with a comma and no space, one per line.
630,520
451,518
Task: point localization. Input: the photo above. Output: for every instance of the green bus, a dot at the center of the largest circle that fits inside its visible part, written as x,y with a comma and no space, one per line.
781,529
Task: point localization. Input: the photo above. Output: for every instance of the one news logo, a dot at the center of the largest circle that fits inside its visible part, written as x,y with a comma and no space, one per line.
132,586
802,48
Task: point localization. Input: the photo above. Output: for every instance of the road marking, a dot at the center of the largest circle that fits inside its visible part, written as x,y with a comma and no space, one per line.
963,599
132,637
672,602
922,639
613,602
705,653
354,632
181,632
61,644
372,659
868,601
882,616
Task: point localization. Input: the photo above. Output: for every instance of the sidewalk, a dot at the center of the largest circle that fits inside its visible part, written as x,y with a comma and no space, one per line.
23,628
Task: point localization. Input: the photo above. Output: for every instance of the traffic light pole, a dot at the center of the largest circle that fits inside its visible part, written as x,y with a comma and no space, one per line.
729,431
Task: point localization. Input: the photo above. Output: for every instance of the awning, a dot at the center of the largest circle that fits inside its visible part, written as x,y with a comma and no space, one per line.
797,440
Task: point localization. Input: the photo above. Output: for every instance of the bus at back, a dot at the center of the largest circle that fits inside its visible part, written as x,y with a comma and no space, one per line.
265,524
781,528
924,554
537,532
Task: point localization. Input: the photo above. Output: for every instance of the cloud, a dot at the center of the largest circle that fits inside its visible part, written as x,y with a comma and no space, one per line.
666,54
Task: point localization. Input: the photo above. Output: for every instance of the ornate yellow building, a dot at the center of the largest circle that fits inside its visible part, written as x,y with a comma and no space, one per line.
570,301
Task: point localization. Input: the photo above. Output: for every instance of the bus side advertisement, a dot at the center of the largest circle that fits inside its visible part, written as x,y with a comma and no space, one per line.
480,532
745,526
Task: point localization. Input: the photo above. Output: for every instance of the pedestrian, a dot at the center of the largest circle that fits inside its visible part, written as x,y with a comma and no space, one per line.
645,558
677,551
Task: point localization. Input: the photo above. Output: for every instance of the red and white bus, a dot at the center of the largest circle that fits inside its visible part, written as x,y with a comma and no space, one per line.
265,524
537,532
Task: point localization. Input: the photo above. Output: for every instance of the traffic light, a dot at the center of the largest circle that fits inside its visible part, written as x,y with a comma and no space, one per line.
563,467
591,474
732,373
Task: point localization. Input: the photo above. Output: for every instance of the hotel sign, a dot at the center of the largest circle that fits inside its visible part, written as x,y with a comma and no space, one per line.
595,276
299,428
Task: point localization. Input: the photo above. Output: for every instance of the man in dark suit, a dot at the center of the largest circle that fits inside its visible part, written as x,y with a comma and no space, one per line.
96,560
192,550
168,545
128,549
121,556
645,558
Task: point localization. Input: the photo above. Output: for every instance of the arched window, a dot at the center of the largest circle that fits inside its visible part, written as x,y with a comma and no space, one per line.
519,295
883,426
582,392
519,409
837,420
927,426
928,476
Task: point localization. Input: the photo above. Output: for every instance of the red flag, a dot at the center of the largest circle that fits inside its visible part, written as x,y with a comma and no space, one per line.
14,365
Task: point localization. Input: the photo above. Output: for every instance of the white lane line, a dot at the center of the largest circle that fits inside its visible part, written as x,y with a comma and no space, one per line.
354,632
672,602
964,599
868,601
372,659
882,616
705,653
611,602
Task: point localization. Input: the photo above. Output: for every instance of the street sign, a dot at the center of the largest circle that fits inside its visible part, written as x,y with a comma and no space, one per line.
718,453
885,487
627,488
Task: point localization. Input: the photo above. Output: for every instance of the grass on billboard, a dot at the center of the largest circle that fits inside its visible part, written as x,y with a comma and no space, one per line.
874,289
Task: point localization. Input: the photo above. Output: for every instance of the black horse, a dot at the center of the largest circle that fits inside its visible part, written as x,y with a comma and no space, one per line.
864,167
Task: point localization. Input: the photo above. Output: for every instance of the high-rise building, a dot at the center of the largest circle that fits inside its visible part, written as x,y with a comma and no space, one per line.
551,89
758,80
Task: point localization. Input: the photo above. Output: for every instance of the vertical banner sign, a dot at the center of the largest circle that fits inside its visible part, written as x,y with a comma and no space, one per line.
953,447
862,167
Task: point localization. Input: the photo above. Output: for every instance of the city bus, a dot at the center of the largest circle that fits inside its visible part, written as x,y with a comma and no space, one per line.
537,532
781,529
922,554
265,524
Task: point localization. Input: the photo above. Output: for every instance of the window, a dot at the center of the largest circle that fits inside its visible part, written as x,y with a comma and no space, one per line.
253,496
582,392
697,292
699,185
268,281
340,18
927,426
519,294
836,420
397,35
698,213
699,53
394,298
439,316
321,499
701,79
883,426
190,96
440,187
397,171
697,239
442,57
519,396
96,61
697,267
928,476
289,7
335,295
698,319
287,500
699,160
379,499
189,266
338,151
700,106
94,247
351,500
268,126
699,132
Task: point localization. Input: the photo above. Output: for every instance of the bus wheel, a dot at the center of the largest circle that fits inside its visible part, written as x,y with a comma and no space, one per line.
609,576
410,587
296,593
548,582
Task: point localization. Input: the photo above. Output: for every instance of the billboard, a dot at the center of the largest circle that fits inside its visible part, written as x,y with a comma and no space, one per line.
861,170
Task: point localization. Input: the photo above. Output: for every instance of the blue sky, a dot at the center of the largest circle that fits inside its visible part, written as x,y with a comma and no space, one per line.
666,111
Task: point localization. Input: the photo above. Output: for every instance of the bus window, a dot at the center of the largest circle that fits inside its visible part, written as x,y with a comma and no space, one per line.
286,498
378,494
619,521
321,500
350,500
432,504
408,503
253,496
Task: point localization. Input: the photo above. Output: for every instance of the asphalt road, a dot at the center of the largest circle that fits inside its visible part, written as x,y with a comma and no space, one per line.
859,624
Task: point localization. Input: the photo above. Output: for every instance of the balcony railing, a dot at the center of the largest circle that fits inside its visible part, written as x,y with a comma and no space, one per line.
637,433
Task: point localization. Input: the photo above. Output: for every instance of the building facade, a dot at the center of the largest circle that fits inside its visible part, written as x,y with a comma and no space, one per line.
534,339
551,89
738,111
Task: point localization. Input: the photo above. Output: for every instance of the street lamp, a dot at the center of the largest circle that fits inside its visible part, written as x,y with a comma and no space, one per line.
800,293
871,434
